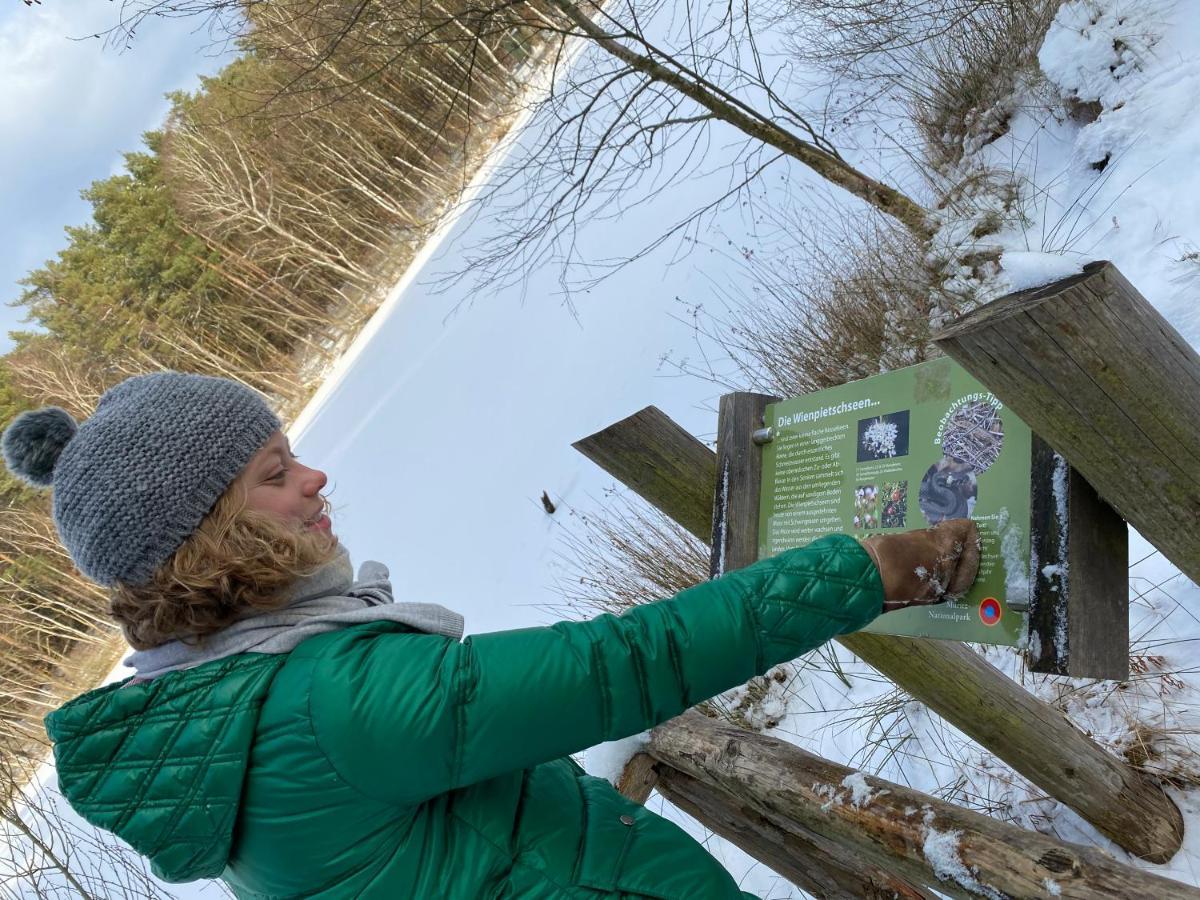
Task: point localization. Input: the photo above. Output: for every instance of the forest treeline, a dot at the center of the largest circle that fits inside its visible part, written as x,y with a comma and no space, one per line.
253,232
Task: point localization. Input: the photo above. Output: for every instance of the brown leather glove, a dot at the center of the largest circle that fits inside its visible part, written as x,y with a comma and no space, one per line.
926,566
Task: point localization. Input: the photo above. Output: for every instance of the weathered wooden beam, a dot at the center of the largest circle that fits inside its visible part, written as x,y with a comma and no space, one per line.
734,534
1094,369
1079,605
1029,735
810,862
1032,737
656,457
926,841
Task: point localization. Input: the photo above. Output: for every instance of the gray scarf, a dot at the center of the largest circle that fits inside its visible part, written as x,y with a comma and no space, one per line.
327,600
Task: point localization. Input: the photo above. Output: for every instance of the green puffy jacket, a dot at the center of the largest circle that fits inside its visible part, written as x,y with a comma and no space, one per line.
376,762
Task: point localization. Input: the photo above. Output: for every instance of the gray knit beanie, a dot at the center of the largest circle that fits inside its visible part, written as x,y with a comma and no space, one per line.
135,480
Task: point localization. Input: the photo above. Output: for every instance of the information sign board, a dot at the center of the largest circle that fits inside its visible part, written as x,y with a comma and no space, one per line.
900,451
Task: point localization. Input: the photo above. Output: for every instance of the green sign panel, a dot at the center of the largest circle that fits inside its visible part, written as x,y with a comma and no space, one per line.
901,451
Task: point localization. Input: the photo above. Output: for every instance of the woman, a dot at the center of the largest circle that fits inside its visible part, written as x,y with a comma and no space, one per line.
299,734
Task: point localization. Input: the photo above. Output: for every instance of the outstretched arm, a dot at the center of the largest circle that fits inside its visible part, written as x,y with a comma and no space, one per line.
410,716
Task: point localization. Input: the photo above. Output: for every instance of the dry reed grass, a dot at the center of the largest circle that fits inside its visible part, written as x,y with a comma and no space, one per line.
951,65
851,297
632,554
964,100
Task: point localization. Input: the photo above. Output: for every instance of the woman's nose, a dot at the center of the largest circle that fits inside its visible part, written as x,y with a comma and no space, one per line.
316,480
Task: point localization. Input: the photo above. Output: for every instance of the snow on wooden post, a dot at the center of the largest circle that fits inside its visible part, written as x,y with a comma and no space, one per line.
927,842
957,683
1079,597
1093,368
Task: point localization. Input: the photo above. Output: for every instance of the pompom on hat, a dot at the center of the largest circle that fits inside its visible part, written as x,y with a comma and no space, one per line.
133,482
34,441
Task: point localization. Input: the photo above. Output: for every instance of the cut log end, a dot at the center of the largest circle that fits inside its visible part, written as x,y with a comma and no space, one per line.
638,778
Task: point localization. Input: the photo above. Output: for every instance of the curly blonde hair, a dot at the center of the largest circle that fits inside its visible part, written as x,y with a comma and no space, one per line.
236,559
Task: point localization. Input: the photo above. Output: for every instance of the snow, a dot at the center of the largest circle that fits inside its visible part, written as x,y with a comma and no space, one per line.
1094,47
722,502
941,852
608,760
826,791
861,793
1024,269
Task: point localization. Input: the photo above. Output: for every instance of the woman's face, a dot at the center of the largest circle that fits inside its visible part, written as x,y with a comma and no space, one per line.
278,484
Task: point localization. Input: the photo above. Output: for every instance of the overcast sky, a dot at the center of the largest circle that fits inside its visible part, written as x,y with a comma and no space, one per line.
69,109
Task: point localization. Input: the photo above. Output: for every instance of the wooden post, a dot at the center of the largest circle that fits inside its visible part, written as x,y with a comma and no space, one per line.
1079,602
656,457
958,684
818,866
734,535
1093,368
927,842
638,778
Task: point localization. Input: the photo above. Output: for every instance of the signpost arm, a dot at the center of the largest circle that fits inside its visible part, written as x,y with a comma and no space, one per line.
957,683
656,457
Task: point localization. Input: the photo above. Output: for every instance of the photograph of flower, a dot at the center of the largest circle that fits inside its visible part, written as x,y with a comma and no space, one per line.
883,437
866,507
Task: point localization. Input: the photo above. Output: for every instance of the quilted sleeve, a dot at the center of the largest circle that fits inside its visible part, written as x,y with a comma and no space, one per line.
407,716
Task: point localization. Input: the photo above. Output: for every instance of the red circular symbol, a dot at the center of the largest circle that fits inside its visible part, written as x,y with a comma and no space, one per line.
989,611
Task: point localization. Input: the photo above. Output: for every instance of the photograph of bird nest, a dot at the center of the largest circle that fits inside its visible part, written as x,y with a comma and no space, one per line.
882,437
974,435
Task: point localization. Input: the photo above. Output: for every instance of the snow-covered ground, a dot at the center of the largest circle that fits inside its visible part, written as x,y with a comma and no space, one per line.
443,428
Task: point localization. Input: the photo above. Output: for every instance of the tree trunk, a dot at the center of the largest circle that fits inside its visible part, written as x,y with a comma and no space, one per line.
927,841
828,165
